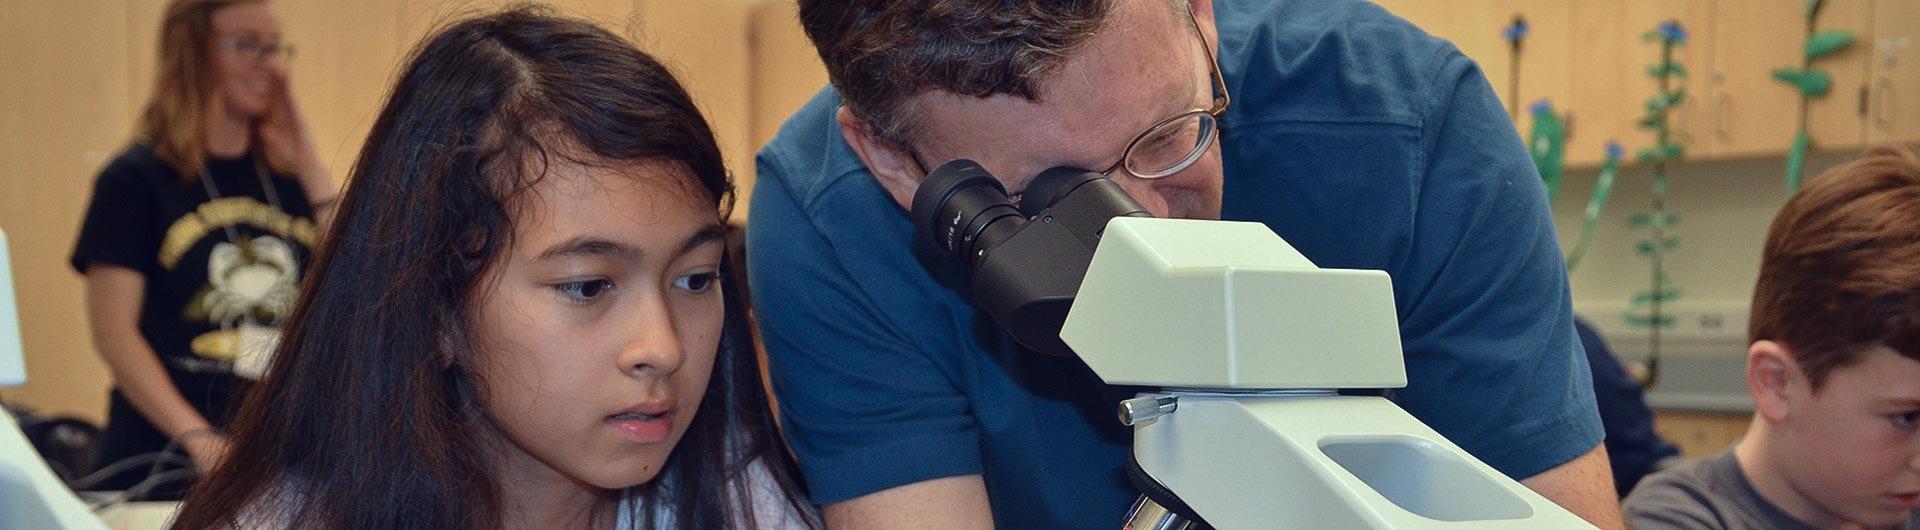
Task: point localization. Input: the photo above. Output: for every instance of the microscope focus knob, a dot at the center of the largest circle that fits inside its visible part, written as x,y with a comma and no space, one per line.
1147,407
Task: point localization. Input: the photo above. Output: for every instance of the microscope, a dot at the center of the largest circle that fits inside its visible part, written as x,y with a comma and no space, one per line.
1247,346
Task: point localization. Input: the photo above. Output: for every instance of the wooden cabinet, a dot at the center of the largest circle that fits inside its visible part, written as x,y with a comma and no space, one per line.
1700,434
1545,71
1477,29
1610,83
1893,97
1748,113
1589,58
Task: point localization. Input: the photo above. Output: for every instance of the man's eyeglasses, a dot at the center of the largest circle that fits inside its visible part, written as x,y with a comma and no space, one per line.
256,49
1169,145
1173,144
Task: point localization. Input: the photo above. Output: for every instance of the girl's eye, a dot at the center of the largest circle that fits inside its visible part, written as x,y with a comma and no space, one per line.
697,283
1905,420
585,289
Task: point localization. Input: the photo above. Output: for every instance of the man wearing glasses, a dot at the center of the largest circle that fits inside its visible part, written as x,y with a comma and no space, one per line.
1361,140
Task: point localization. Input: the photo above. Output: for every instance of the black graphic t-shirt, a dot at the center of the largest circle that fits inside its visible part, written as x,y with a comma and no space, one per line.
221,272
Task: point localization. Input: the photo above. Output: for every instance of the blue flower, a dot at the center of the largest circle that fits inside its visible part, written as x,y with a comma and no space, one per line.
1614,150
1541,106
1673,32
1515,31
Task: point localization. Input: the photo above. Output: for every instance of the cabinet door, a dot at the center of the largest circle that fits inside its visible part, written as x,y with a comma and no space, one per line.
1610,85
1894,99
1544,72
1748,112
1476,28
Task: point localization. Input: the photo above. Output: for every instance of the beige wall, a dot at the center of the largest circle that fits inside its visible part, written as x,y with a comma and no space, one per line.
74,74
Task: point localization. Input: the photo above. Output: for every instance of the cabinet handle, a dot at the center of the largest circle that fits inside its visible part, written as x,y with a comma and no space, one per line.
1883,89
1720,115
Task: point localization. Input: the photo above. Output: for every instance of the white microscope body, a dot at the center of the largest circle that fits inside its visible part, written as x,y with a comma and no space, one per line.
1252,340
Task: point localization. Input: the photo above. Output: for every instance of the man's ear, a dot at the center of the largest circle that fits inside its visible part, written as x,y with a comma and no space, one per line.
1203,14
892,167
1770,371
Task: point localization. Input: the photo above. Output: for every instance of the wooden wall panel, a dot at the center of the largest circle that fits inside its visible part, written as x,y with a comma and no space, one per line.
346,56
68,109
705,43
786,69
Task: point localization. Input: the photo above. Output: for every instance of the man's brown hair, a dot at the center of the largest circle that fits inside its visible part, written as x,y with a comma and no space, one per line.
1841,270
881,53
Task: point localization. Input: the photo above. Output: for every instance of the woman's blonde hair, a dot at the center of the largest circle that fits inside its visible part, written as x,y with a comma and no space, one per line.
174,123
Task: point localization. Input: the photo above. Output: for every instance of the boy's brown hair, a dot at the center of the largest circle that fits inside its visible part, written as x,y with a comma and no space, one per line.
1841,269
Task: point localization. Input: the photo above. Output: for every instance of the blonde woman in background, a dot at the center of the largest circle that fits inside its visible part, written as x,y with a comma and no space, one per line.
198,233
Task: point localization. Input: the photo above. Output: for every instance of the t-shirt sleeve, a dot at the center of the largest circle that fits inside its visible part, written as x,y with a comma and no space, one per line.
1668,501
863,408
1487,320
116,229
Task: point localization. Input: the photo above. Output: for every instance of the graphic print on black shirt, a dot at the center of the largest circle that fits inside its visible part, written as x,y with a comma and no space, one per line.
221,272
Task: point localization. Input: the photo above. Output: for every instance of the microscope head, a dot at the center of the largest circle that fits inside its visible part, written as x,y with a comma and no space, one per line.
1229,305
1079,268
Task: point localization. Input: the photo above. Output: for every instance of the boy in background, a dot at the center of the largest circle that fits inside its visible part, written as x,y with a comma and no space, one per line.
1833,366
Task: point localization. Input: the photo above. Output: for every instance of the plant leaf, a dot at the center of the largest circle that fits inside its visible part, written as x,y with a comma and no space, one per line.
1828,42
1646,321
1665,295
1815,83
1647,155
1797,160
1812,82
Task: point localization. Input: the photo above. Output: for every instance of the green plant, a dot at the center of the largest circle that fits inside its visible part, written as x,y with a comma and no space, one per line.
1658,221
1811,83
1548,145
1602,189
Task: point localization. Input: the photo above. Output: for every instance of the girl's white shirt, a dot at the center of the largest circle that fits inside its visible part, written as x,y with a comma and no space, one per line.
770,508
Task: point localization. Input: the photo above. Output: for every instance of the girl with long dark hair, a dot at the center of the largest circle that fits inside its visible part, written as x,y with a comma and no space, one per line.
519,319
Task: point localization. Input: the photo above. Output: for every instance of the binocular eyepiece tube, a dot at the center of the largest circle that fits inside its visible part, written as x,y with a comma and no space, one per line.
1027,260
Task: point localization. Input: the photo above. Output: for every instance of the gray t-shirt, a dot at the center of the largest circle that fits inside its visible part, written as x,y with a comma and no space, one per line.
1710,494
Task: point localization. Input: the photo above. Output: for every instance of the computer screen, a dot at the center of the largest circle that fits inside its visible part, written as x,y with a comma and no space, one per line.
13,365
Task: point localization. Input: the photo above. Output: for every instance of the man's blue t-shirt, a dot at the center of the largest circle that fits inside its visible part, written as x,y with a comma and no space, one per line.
1361,140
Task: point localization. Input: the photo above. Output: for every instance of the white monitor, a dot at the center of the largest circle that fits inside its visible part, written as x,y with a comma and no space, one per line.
30,495
13,365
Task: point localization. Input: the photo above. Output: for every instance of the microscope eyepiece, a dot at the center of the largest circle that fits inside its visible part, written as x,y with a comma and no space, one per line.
964,211
1026,263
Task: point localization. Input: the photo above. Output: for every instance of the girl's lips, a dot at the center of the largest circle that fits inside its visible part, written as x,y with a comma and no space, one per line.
646,430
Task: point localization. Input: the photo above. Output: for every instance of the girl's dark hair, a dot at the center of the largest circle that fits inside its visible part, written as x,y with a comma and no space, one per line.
365,418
